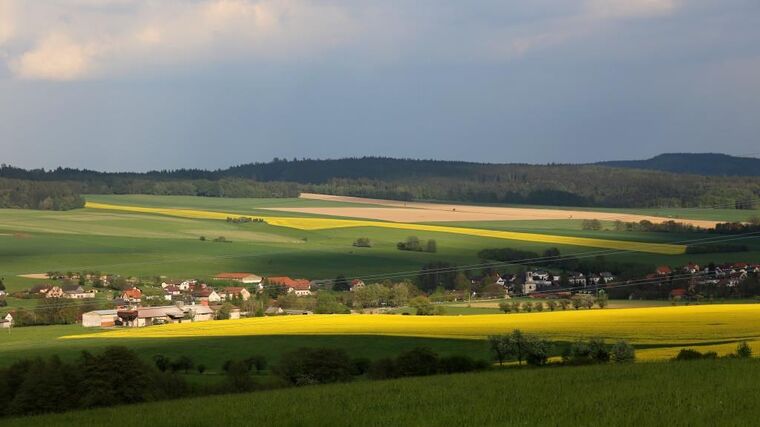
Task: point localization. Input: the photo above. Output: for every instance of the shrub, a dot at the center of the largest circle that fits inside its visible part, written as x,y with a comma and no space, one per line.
743,350
257,362
584,353
382,369
363,242
622,352
505,306
422,306
315,366
537,352
238,376
688,354
455,364
361,365
419,361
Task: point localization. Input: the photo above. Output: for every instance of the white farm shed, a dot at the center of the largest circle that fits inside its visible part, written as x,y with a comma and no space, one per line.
99,318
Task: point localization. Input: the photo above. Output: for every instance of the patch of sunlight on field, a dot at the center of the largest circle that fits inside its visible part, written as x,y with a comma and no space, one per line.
331,223
672,327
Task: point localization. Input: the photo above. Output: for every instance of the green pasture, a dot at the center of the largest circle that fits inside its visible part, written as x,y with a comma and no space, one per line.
43,341
147,245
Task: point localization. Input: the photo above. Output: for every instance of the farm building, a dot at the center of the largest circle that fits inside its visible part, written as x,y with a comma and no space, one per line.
199,313
77,292
245,278
99,319
273,311
300,287
146,316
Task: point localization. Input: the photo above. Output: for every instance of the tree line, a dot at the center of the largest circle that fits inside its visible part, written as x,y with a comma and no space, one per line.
407,179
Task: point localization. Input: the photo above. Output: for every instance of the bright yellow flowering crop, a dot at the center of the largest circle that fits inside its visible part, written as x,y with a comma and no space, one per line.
330,223
669,327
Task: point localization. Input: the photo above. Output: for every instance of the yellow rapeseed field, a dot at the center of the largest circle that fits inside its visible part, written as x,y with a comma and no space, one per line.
331,223
719,326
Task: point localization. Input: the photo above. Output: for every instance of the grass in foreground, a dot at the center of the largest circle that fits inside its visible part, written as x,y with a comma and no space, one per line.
708,392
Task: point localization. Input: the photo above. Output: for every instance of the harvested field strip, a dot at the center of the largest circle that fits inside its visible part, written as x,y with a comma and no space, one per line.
668,327
393,210
330,223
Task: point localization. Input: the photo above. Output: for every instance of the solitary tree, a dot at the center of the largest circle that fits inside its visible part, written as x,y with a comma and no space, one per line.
341,284
743,350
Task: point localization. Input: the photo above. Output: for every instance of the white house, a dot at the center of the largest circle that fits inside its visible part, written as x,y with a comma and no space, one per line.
7,321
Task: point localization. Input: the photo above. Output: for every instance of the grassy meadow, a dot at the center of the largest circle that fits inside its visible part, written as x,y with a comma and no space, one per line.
707,392
147,244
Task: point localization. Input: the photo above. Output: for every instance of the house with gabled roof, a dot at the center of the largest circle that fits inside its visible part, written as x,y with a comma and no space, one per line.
132,295
300,287
233,292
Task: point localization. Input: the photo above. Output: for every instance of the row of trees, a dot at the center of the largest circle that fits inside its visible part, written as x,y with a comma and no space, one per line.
404,179
577,302
535,351
413,243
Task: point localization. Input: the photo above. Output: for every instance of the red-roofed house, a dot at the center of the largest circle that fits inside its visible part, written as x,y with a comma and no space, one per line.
300,287
132,295
357,284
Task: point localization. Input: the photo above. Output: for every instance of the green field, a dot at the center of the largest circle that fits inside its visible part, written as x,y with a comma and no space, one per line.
717,392
42,341
147,245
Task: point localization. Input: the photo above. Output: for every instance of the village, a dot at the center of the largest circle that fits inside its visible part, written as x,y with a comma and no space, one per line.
233,295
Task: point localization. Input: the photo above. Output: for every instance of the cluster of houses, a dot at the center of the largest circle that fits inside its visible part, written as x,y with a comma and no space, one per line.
725,275
728,275
538,280
190,301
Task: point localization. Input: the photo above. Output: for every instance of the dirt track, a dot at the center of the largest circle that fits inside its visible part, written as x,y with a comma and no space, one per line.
392,210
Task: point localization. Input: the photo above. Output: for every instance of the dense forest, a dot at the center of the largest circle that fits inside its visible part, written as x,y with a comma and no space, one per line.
21,194
406,179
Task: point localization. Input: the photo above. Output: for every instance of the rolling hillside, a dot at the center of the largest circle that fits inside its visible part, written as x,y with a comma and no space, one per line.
712,164
686,393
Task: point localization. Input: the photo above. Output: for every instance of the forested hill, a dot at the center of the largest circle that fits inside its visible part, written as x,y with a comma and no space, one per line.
694,163
406,179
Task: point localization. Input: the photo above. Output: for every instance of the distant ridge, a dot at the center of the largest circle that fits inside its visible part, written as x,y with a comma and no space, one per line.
711,164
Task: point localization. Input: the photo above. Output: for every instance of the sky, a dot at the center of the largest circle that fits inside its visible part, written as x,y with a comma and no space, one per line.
160,84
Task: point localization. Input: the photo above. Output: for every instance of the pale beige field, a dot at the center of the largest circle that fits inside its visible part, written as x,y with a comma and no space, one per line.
41,276
391,210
